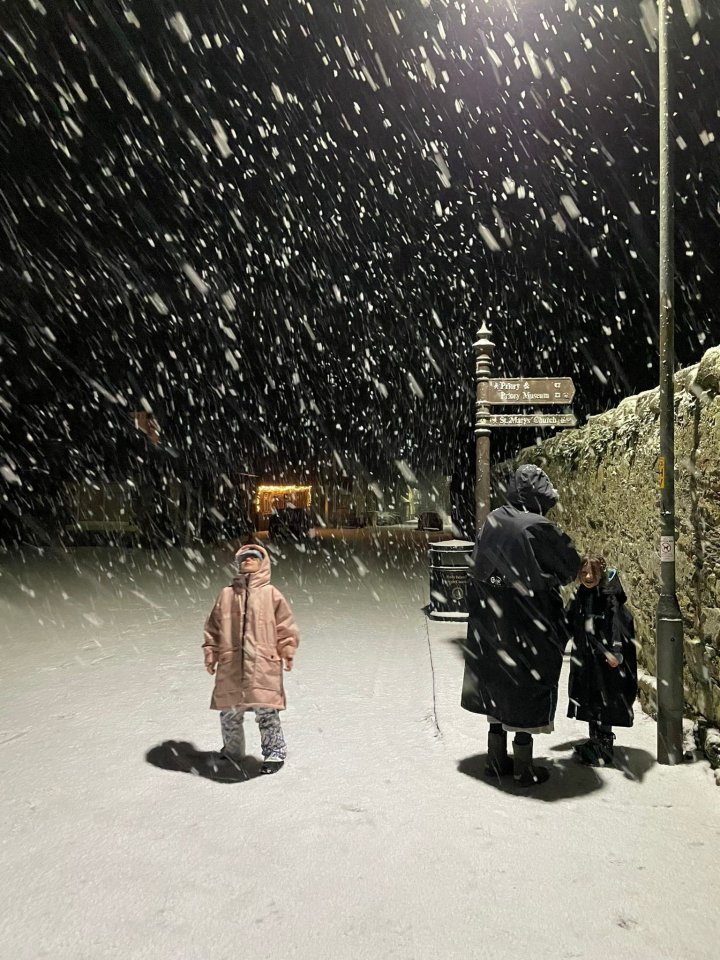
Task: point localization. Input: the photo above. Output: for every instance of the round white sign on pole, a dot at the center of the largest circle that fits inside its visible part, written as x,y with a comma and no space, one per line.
667,549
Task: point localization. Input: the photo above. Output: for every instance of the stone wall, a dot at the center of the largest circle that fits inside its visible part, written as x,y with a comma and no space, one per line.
607,475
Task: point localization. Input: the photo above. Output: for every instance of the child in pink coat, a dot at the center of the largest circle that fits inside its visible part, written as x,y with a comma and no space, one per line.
249,636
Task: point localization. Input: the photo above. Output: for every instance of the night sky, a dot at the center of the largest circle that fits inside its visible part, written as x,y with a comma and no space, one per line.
278,224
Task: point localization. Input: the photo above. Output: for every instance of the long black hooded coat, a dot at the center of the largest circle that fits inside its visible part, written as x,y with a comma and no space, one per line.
516,634
601,624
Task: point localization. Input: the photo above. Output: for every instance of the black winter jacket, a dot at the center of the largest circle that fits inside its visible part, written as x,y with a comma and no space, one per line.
515,641
601,624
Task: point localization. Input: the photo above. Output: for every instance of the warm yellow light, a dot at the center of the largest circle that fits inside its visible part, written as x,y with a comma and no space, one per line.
282,490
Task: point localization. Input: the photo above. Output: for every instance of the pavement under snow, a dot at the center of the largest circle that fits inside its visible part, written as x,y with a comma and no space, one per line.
379,839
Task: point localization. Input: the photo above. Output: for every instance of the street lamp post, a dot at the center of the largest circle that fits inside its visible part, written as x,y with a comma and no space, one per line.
669,635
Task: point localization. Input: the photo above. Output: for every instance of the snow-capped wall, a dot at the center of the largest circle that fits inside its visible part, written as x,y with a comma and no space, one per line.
607,475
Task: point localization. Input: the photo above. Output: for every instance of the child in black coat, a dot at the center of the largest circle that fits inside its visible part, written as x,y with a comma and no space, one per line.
603,662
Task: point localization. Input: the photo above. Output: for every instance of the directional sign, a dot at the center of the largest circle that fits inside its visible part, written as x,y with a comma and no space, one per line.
530,390
526,420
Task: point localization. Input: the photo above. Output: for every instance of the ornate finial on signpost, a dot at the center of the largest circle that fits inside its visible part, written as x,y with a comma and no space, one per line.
483,347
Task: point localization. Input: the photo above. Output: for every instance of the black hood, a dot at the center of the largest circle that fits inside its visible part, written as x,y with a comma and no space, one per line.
611,586
531,489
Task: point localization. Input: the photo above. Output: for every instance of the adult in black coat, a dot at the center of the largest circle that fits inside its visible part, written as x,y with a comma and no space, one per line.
516,634
603,663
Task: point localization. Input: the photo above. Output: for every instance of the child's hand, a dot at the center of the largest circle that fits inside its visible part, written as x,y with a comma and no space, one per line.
612,661
210,667
288,663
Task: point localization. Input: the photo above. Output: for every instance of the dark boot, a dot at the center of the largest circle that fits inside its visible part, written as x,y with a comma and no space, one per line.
271,766
525,772
588,747
598,751
499,763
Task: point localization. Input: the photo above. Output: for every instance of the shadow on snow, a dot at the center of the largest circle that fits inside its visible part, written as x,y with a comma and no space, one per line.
568,777
184,757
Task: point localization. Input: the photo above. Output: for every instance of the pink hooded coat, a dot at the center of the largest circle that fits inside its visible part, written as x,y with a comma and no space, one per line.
250,629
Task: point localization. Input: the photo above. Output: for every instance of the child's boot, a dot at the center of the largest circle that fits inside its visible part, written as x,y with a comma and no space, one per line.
499,763
608,750
598,751
588,750
526,774
272,740
271,765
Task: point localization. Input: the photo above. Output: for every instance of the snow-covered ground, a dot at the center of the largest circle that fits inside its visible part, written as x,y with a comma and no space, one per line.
379,839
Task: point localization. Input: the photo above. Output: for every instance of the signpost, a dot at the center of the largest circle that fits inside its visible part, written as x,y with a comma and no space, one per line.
509,391
532,390
448,574
527,420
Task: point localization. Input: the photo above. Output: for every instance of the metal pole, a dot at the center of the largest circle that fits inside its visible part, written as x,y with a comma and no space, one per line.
669,635
483,353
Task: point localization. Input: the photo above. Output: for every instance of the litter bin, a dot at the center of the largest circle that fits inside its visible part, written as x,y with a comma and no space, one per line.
449,560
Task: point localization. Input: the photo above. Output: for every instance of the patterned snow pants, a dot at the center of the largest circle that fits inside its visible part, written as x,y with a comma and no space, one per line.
272,741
